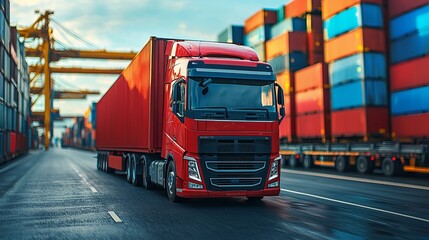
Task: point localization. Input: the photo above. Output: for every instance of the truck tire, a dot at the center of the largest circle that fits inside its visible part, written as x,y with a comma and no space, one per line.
364,165
293,161
147,184
136,178
392,168
98,161
170,180
128,168
308,162
342,164
104,160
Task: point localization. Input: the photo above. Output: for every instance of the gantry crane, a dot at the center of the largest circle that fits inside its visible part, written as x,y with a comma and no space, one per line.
46,52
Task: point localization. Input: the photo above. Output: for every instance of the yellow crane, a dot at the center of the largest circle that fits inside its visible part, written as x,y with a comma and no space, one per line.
46,52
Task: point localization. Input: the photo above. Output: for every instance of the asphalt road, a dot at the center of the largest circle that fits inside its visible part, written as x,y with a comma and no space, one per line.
60,195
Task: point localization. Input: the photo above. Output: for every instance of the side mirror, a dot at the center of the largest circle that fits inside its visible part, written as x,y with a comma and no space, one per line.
280,96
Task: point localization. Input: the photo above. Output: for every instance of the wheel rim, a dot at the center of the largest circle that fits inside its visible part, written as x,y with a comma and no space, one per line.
170,181
340,164
388,167
362,165
292,161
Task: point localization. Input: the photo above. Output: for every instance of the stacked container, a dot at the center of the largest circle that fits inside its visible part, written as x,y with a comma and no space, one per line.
355,53
312,103
4,77
409,72
232,34
257,30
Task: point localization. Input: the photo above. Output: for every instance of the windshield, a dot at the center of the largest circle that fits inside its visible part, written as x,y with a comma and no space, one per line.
230,95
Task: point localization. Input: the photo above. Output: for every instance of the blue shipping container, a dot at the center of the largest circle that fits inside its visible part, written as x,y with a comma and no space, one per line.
409,47
258,36
2,116
362,15
410,101
411,22
357,67
232,34
288,25
359,94
281,13
289,62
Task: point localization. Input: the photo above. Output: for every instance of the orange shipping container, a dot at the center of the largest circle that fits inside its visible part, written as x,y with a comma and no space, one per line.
286,81
398,7
356,41
287,129
311,101
315,76
332,7
298,8
260,18
286,43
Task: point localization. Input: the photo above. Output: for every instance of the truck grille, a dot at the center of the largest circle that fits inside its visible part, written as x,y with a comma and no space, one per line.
235,166
235,182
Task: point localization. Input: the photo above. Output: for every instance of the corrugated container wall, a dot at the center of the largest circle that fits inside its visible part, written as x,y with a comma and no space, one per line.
399,7
288,25
297,8
232,34
260,18
410,101
409,74
332,7
286,43
289,62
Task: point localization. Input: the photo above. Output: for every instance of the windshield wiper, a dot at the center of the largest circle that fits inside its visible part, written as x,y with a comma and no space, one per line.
202,108
255,109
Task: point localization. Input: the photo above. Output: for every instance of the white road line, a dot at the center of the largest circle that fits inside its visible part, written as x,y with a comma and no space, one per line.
80,175
355,205
93,189
355,179
114,216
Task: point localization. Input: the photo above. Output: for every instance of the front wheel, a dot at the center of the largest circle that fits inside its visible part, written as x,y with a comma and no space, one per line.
342,164
171,182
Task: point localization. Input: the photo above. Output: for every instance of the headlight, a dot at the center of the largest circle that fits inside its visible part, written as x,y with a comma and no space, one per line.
274,171
193,171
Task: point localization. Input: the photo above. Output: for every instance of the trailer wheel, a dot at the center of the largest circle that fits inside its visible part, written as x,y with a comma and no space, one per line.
364,165
293,161
308,162
128,164
147,184
171,182
104,162
136,178
392,168
342,164
98,161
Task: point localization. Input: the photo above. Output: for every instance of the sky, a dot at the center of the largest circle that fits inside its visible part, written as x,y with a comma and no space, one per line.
126,25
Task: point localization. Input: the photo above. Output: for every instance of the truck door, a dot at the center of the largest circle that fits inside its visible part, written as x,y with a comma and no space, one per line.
175,128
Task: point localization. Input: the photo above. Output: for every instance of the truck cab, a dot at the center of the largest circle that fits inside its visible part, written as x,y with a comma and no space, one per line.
222,110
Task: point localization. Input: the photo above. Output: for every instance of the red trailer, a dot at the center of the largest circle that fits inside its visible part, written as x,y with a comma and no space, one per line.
199,119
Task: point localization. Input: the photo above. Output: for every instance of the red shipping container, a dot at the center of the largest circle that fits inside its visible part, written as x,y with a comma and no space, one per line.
332,7
409,74
314,100
297,8
363,122
399,7
12,143
314,23
315,47
313,125
286,43
314,76
410,126
144,90
315,57
287,129
290,104
260,18
356,41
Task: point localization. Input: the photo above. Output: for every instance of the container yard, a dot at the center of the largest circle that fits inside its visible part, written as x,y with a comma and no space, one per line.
300,119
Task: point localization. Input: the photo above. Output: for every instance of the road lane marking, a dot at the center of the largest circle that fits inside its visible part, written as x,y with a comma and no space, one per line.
93,189
355,179
355,205
114,216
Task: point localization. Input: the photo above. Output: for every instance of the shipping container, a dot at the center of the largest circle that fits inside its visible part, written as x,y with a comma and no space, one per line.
2,146
411,126
287,131
315,42
315,57
258,36
363,15
355,41
286,80
2,116
409,74
359,94
260,18
413,22
416,45
365,122
399,7
311,101
286,43
315,125
297,8
289,62
357,67
260,50
288,25
232,34
332,7
410,101
311,77
2,83
281,13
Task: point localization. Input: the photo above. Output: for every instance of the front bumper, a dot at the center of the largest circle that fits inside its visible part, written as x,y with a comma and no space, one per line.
191,193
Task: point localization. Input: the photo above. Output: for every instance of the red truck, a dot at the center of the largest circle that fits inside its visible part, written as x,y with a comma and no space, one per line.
200,119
